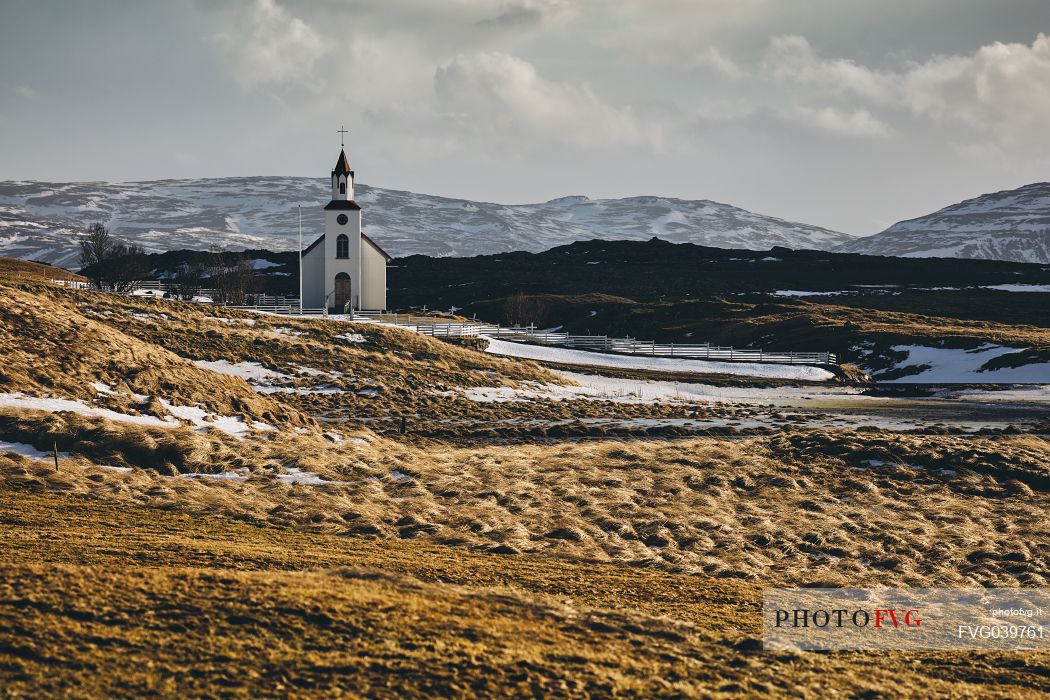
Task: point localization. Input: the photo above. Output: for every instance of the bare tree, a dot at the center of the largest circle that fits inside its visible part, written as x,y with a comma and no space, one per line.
125,265
241,279
234,276
95,249
521,309
109,263
188,277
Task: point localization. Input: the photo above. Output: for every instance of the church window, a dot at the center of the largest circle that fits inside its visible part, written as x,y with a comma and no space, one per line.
342,246
342,188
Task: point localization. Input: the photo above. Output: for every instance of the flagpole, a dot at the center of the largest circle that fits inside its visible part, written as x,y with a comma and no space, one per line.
300,259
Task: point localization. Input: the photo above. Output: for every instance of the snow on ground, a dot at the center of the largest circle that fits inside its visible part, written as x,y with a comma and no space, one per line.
285,330
352,337
294,475
1019,287
239,475
958,366
250,371
663,364
231,425
797,293
600,388
30,451
301,476
298,390
102,388
1039,393
33,403
262,379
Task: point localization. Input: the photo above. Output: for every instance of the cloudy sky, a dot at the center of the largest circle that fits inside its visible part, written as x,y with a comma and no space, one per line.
850,114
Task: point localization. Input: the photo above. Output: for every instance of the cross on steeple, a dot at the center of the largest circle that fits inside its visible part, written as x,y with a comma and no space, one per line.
342,131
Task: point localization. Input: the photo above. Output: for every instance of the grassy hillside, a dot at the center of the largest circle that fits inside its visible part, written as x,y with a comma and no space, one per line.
26,269
234,511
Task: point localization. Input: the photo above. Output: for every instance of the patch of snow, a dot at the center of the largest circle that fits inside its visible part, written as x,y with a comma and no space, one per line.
33,403
352,337
796,293
239,475
29,451
958,366
122,470
399,475
202,419
102,388
299,476
250,371
664,364
1019,287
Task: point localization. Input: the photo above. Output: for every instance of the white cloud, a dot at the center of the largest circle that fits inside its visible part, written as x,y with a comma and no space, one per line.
855,123
1001,90
533,12
503,95
274,47
715,60
792,58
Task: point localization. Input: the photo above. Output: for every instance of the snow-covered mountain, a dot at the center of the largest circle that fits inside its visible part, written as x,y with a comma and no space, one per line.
41,221
1009,225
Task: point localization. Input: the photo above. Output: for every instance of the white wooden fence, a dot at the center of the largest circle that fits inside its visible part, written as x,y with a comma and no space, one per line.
448,328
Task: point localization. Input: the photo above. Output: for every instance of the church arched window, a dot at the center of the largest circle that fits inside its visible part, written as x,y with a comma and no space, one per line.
342,188
342,246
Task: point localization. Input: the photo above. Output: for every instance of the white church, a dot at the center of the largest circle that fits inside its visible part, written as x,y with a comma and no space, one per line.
344,268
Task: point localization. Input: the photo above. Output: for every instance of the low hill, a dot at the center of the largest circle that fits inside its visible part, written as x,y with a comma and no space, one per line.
13,267
1008,225
873,311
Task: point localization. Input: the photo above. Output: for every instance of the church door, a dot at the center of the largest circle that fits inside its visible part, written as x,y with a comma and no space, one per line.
342,290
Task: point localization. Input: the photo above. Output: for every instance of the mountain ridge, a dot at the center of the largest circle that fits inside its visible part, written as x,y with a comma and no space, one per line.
40,220
1012,224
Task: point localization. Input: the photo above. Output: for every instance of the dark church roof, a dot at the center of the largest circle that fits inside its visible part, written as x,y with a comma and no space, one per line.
342,166
342,204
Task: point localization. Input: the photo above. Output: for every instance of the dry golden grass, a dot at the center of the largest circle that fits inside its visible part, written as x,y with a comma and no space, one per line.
129,601
838,508
24,269
573,568
57,342
812,318
49,349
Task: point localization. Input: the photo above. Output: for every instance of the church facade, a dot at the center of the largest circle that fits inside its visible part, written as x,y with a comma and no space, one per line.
344,268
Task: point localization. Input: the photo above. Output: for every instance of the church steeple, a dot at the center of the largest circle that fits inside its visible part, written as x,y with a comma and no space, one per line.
342,178
342,166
